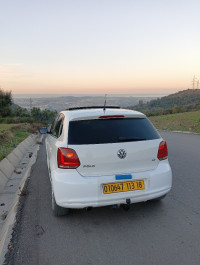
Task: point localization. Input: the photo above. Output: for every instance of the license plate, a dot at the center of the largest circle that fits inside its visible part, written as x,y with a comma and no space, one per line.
123,186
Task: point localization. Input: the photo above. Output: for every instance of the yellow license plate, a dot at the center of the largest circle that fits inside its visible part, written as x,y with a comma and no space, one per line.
123,186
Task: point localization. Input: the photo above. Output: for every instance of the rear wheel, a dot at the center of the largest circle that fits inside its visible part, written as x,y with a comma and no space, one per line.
58,210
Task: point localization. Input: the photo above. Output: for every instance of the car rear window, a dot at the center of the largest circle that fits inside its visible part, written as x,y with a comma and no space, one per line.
110,131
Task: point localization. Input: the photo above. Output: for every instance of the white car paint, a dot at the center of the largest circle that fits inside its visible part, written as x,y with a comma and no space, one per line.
99,164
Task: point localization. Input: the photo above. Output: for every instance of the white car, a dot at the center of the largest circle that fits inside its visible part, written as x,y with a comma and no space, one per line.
100,156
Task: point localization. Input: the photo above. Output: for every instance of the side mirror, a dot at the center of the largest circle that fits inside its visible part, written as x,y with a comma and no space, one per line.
49,129
43,130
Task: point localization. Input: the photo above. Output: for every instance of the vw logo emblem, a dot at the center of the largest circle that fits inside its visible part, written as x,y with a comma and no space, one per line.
121,153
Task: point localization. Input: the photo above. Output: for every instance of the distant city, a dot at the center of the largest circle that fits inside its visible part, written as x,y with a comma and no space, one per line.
61,102
87,95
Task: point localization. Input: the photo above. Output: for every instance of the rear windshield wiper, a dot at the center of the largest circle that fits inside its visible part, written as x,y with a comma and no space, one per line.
130,139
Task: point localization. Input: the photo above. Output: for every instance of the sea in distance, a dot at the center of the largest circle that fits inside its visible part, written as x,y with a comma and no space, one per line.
86,95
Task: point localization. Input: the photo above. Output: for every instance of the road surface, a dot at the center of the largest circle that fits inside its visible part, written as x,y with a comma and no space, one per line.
151,233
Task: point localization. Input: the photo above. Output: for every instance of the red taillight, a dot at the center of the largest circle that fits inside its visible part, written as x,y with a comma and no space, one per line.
67,158
162,151
111,117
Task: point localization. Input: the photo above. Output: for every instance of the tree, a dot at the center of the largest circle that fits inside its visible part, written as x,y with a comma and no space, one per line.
5,103
20,112
45,116
48,115
36,113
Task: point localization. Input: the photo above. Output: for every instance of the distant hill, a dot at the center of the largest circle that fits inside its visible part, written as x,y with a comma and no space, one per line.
185,100
61,103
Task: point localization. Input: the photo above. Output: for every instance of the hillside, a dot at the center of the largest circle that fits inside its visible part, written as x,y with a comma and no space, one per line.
179,102
189,122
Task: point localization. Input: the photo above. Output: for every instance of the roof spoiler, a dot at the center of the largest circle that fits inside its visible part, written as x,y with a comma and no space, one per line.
94,107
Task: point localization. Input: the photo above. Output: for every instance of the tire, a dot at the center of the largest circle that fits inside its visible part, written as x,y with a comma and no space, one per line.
160,198
58,210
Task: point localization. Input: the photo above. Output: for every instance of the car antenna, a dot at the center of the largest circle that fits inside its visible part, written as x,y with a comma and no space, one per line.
104,107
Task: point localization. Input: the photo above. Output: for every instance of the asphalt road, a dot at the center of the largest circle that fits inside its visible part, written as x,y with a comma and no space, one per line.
151,233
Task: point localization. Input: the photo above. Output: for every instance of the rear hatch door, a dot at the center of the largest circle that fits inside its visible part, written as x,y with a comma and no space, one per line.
114,146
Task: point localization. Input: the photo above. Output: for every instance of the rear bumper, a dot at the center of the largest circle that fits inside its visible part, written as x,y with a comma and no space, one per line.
71,190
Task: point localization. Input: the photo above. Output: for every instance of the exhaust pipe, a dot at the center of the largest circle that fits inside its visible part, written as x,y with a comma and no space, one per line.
126,206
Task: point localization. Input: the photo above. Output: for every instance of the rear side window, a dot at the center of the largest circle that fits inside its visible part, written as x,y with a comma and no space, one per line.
110,131
56,129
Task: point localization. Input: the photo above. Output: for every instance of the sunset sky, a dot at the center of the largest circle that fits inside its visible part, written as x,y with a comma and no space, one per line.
99,46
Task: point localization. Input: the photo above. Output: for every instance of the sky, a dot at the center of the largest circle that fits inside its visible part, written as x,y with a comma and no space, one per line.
99,46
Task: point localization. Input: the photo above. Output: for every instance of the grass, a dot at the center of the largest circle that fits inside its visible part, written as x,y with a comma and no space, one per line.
13,134
187,121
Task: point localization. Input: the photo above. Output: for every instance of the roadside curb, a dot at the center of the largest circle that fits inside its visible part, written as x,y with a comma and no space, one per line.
14,171
179,132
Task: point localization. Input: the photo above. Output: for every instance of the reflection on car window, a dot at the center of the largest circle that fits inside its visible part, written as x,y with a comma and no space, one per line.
56,129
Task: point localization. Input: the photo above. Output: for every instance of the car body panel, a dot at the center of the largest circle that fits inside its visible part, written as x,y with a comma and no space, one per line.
72,190
82,187
102,159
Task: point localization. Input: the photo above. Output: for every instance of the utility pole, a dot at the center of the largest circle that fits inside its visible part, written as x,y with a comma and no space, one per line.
193,82
197,84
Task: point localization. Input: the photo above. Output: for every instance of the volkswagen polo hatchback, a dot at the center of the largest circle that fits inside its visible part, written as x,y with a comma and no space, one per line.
105,156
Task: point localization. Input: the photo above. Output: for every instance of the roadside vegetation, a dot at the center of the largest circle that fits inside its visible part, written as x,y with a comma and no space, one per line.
187,121
176,112
17,123
13,134
184,101
12,113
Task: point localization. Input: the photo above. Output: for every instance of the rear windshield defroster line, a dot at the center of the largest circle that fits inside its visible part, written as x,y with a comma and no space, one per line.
102,131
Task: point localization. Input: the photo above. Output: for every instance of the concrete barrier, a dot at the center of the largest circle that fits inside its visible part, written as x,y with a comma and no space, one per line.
22,147
28,140
6,167
3,181
8,164
18,153
13,159
14,170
